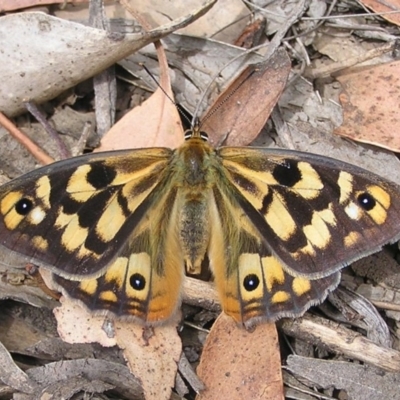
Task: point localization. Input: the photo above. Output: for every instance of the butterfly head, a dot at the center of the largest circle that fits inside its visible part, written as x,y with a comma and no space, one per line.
191,134
196,132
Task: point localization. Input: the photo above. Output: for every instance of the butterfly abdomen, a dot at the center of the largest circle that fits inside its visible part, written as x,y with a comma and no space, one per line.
195,183
194,232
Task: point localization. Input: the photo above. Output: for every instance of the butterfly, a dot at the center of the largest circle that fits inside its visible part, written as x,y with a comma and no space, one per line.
119,229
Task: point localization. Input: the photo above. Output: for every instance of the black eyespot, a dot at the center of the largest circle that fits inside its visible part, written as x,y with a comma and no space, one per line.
137,281
366,201
251,282
23,206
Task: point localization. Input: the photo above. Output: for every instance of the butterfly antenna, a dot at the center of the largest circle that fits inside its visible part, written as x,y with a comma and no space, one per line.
178,107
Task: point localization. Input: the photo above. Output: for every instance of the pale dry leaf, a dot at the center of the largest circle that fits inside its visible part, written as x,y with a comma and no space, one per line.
370,98
7,5
66,389
361,312
43,56
155,122
336,48
237,364
75,324
15,158
152,355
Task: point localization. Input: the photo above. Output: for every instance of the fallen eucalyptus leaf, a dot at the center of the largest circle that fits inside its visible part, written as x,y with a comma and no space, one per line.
42,55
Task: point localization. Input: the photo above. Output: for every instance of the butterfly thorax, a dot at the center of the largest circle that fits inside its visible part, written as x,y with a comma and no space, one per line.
193,161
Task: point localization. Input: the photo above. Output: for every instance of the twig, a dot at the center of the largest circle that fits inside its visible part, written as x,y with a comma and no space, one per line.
80,145
104,83
31,146
34,110
331,69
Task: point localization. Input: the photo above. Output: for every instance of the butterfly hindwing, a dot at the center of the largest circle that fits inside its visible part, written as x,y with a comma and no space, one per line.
145,279
253,284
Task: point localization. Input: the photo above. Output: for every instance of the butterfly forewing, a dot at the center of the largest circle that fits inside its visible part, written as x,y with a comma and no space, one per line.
74,216
315,214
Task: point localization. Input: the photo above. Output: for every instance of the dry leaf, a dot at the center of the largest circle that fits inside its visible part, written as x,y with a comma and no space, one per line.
238,115
310,124
11,5
155,122
42,55
153,359
75,324
238,364
370,100
380,6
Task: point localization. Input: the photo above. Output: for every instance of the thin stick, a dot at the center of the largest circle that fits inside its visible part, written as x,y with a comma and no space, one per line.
31,146
38,114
